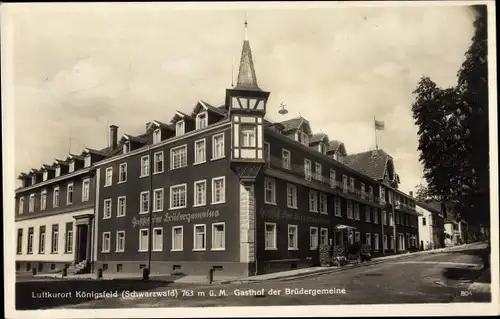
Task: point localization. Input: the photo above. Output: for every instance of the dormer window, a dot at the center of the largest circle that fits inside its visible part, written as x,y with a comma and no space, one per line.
126,147
72,166
58,171
247,135
303,138
179,128
157,136
322,148
45,175
88,161
201,121
33,179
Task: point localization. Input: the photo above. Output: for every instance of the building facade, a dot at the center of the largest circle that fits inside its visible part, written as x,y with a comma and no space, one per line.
431,224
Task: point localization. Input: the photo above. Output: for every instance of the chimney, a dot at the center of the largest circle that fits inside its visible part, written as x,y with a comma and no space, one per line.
113,132
411,193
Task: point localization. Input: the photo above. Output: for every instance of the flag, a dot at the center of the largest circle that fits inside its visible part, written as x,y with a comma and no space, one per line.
379,125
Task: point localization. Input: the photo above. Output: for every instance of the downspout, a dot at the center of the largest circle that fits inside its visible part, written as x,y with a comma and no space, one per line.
150,208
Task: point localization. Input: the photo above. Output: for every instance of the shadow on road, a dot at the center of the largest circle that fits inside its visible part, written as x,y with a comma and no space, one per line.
28,293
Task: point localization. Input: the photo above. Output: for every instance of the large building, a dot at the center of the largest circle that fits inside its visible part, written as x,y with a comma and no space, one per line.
221,186
431,224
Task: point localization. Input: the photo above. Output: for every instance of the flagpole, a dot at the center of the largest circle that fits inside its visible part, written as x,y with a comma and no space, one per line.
375,127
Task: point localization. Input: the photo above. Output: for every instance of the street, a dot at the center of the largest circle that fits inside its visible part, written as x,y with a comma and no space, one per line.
431,278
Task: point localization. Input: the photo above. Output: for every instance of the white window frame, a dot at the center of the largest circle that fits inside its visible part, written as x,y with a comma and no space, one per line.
272,183
363,191
155,199
351,184
71,166
333,179
375,216
20,208
197,146
368,213
42,242
313,201
323,203
126,147
106,238
122,168
216,156
204,234
88,161
180,128
313,242
286,159
31,204
201,120
376,239
337,207
182,157
43,200
318,170
145,168
45,176
31,241
107,214
156,161
195,193
357,237
368,239
357,212
117,248
323,233
213,236
58,171
173,238
350,213
157,136
295,244
141,202
307,169
248,134
291,196
68,241
72,193
86,192
33,179
274,237
108,179
174,187
54,244
56,203
222,194
118,212
143,249
154,244
345,183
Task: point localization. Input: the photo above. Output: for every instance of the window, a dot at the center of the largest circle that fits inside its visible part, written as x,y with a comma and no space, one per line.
351,184
270,191
177,238
218,146
126,147
270,240
218,236
122,173
357,237
144,166
200,151
333,177
179,128
199,237
344,181
247,135
106,242
370,193
107,209
143,239
382,193
323,203
385,241
356,211
72,166
218,190
376,241
307,169
367,214
158,200
349,209
21,206
31,231
313,237
58,171
122,206
157,136
338,211
322,148
391,222
423,221
178,196
368,239
323,236
384,218
144,202
68,244
313,201
375,216
88,161
201,121
120,241
178,157
293,233
157,239
319,173
33,179
43,200
109,176
55,239
19,247
45,175
85,190
69,194
291,196
285,156
31,204
41,240
267,154
303,138
158,162
200,193
363,191
55,197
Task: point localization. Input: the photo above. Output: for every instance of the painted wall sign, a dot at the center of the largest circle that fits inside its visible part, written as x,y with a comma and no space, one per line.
283,214
173,217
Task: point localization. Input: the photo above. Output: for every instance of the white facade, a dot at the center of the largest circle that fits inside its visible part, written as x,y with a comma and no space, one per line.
48,222
425,227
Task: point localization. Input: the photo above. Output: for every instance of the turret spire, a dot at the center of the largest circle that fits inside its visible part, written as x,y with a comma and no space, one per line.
247,80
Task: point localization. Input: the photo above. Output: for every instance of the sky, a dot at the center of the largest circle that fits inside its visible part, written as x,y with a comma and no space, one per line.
78,68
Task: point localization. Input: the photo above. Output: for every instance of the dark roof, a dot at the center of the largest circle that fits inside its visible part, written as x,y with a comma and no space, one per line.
222,108
77,157
293,124
48,167
371,163
247,80
163,125
136,139
61,162
317,137
334,145
431,205
94,151
213,108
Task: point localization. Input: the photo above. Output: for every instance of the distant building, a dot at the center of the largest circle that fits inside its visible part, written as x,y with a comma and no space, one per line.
431,224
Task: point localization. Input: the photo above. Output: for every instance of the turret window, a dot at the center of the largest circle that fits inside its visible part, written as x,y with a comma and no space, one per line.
248,135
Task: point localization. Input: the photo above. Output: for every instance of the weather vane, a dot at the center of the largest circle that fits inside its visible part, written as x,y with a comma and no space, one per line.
282,110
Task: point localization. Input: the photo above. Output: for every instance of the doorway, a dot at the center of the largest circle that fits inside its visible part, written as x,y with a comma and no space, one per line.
81,243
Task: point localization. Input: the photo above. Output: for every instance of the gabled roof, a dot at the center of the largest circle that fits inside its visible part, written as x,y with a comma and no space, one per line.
76,157
23,176
295,124
206,106
48,167
34,171
61,162
320,137
93,151
430,205
371,163
135,139
163,125
180,115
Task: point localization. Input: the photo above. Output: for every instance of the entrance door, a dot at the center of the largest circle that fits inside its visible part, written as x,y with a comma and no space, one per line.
81,243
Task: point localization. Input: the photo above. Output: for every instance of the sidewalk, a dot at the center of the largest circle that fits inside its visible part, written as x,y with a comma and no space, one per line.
483,283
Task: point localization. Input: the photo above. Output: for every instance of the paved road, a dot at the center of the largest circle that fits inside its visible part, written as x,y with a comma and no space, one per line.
433,278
